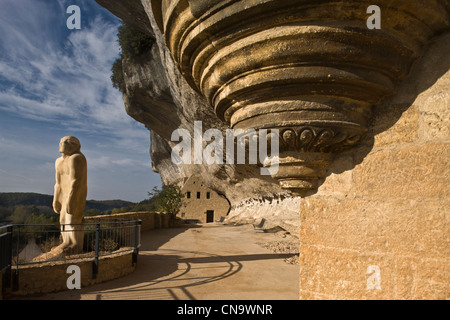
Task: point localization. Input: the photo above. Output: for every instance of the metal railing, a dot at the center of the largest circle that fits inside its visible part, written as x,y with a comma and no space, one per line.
25,244
5,246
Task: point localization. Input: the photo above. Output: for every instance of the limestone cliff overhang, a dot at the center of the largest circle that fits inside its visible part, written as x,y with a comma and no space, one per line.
311,69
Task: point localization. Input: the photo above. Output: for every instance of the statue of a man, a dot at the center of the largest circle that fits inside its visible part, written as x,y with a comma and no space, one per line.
70,193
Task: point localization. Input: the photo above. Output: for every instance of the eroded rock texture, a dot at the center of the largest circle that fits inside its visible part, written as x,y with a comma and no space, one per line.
158,96
311,69
314,70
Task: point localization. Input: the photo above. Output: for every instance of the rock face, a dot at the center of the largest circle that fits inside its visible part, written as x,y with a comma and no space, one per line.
388,218
158,96
312,72
314,82
363,118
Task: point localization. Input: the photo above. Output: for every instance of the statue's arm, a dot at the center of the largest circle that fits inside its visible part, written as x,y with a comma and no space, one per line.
57,190
78,182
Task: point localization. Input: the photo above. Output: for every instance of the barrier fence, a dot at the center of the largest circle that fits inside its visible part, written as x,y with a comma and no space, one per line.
22,244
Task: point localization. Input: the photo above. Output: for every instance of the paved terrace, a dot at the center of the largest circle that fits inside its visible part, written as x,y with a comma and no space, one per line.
211,261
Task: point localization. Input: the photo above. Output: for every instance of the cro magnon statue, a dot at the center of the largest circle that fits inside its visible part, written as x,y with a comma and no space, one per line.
70,194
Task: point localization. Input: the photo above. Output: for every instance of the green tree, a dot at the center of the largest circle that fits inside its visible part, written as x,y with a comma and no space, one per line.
117,75
5,212
145,205
168,199
21,213
47,211
133,43
92,212
40,219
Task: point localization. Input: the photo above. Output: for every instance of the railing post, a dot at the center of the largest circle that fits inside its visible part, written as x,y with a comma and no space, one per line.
136,240
95,264
15,274
7,259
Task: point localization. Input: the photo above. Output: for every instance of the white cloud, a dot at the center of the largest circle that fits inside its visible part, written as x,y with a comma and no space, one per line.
50,81
46,110
114,163
59,81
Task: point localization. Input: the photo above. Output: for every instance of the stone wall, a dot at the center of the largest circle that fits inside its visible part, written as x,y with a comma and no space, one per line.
199,199
150,220
278,212
52,276
387,204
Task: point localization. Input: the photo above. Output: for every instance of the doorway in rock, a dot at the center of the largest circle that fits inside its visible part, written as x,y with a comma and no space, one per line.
209,216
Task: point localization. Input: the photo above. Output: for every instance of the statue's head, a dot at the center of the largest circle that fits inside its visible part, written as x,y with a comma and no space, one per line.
69,145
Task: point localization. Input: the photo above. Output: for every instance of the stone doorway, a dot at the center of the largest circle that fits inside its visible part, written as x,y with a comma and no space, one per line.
209,216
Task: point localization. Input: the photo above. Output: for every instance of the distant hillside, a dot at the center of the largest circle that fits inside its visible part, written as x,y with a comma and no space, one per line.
13,199
106,205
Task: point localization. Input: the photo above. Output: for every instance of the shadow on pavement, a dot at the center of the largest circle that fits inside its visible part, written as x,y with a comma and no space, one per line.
153,239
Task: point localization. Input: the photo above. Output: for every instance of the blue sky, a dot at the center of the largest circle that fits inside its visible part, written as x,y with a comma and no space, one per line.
56,82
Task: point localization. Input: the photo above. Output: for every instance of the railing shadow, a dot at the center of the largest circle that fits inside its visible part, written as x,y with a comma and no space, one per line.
168,276
161,236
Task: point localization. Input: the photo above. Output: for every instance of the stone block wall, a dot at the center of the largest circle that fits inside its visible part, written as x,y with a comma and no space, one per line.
52,276
387,204
150,220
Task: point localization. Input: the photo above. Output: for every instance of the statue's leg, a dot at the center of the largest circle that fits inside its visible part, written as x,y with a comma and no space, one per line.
75,233
63,226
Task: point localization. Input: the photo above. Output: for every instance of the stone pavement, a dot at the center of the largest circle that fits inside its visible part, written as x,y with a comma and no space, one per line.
208,262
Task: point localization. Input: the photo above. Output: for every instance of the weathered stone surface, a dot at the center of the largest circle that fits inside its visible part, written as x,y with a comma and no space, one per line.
49,277
131,12
386,204
343,273
281,211
70,193
315,82
377,225
412,172
420,104
199,199
149,220
420,278
159,96
435,114
405,130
